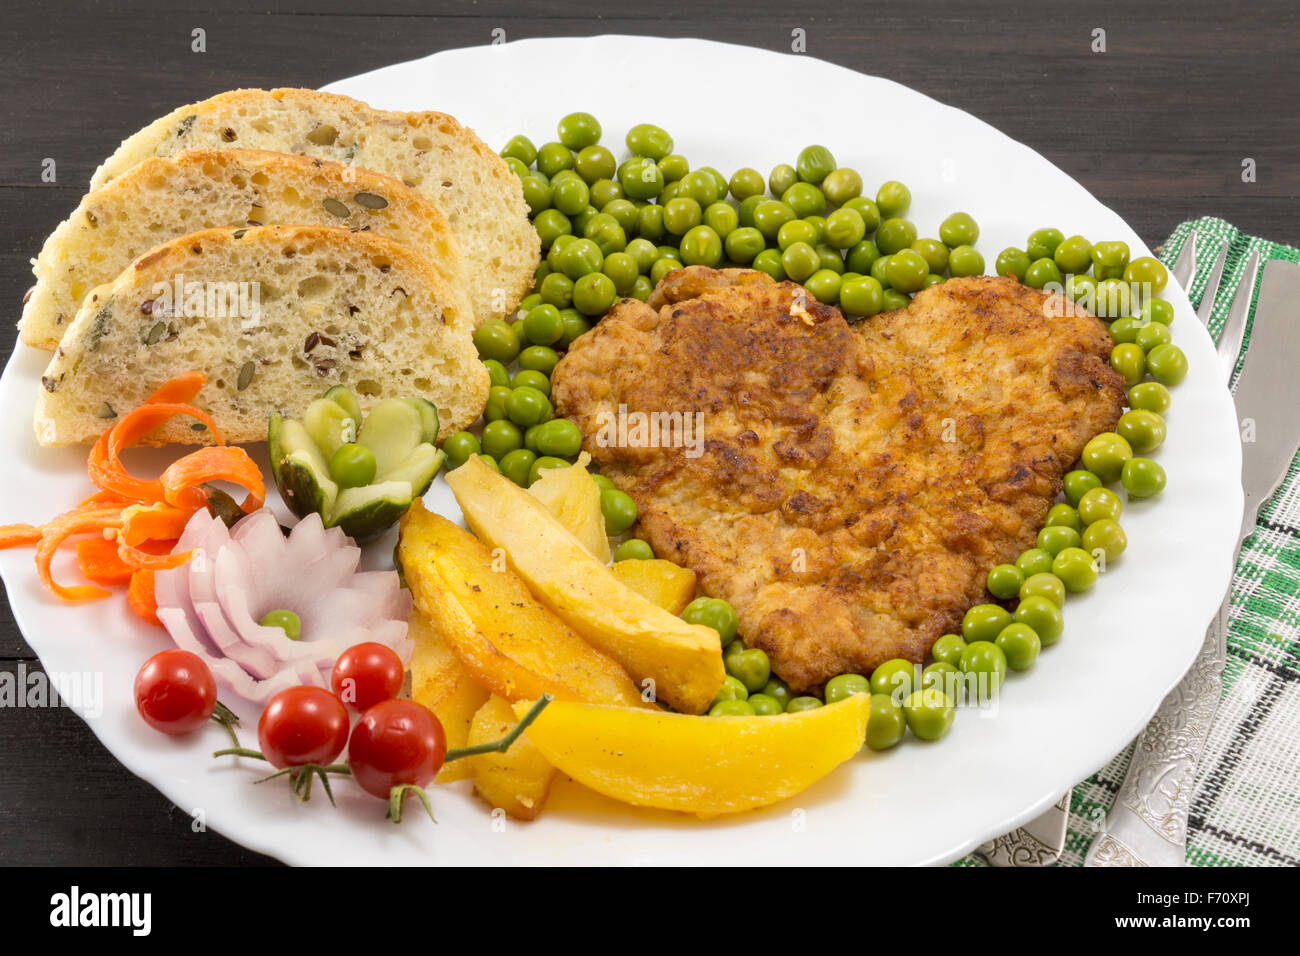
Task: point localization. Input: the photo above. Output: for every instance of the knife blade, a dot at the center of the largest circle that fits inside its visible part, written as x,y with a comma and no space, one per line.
1268,390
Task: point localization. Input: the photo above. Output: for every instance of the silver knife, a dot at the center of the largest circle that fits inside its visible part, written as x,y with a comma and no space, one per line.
1148,824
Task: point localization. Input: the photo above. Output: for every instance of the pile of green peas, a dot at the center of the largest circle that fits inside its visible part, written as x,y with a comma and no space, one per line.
611,229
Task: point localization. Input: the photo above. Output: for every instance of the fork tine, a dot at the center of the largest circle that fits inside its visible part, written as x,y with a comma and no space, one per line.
1212,286
1234,326
1185,267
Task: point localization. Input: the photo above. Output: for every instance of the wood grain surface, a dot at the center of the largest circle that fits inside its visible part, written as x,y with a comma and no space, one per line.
1157,127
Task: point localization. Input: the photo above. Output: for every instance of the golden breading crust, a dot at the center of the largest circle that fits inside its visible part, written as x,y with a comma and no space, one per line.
854,483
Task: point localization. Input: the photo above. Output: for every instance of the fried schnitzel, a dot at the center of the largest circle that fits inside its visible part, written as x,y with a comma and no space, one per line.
853,484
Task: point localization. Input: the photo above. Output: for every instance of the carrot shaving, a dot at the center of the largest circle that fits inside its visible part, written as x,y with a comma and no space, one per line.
140,597
138,520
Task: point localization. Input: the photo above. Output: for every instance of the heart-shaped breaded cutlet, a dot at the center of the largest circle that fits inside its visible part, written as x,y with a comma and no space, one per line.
845,487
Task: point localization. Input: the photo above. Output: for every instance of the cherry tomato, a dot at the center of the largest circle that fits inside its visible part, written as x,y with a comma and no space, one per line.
175,692
367,674
396,741
302,725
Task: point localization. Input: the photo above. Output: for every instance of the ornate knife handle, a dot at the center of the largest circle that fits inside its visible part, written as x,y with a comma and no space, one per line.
1147,826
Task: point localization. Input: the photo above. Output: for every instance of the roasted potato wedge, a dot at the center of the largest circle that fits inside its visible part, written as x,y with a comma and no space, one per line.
505,638
660,582
441,682
703,765
516,781
573,496
684,661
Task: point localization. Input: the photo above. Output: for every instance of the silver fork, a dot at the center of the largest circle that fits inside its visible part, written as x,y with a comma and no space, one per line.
1041,841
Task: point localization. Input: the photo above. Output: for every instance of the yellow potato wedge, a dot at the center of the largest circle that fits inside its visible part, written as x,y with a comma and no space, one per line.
516,781
703,765
504,637
573,496
440,682
660,582
684,661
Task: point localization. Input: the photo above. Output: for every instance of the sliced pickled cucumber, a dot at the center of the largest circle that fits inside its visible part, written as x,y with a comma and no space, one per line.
364,513
428,417
419,469
342,396
329,425
391,430
301,472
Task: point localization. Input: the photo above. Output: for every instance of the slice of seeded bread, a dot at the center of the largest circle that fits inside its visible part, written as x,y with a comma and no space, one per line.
273,315
160,199
429,151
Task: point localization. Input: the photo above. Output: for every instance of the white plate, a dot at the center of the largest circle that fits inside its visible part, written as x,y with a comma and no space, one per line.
1126,643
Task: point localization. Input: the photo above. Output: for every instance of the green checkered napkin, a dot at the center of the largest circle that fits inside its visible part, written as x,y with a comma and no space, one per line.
1246,811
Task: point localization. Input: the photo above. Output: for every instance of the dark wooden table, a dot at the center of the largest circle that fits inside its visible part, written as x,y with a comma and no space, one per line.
1157,126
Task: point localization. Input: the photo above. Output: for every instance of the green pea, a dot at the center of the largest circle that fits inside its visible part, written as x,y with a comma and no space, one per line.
1004,581
1099,504
796,230
731,708
577,259
984,660
1034,561
569,197
948,649
782,177
1064,515
578,130
642,251
862,296
959,229
526,406
553,157
522,149
605,191
1124,331
642,288
1044,585
862,256
743,244
893,299
459,447
934,252
841,185
674,167
532,379
722,218
1074,255
798,705
777,689
893,199
1042,243
352,465
622,271
1056,538
1107,537
814,164
285,620
1104,455
1148,273
550,225
942,676
649,224
845,228
1042,273
520,169
625,212
496,339
1078,483
745,211
1113,299
805,199
681,215
495,410
929,713
1157,310
594,163
1082,289
886,723
765,706
965,261
699,186
516,465
799,261
770,215
894,675
501,437
537,193
718,178
751,667
605,231
895,234
746,182
1150,335
533,300
544,463
769,261
824,285
1019,644
1142,478
641,178
662,267
1076,568
575,324
646,139
731,689
1130,361
1044,616
543,325
846,685
1143,430
1150,397
983,622
559,437
906,271
557,289
634,549
619,510
1167,364
497,374
701,246
867,209
1109,260
594,294
1012,262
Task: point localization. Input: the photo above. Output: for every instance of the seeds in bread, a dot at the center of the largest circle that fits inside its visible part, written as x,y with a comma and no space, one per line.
318,306
162,198
429,151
